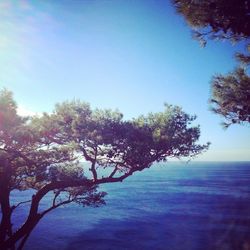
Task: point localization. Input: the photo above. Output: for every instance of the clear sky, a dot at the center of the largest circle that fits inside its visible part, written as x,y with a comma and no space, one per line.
130,55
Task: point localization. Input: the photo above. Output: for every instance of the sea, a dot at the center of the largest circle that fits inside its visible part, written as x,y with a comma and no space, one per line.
171,206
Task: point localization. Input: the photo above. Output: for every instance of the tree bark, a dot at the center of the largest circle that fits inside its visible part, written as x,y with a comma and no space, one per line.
5,227
34,217
5,174
22,232
23,241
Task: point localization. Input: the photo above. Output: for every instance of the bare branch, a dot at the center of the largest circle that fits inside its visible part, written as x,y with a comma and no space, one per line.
114,171
56,206
56,195
17,205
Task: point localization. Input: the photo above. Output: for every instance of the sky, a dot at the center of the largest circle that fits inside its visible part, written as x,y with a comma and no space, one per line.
128,55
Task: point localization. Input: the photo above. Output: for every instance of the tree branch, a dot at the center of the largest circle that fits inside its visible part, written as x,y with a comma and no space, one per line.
17,205
56,206
114,171
20,247
56,195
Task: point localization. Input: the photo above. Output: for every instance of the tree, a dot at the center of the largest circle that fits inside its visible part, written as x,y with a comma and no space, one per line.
44,154
217,19
231,97
224,20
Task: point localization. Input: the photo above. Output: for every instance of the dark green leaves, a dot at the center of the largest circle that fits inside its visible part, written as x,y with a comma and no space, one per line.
45,153
231,97
217,19
224,20
103,138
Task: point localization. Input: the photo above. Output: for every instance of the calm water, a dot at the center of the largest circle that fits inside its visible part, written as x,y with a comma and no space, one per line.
174,206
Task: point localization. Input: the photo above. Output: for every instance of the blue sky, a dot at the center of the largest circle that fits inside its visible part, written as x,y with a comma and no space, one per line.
130,55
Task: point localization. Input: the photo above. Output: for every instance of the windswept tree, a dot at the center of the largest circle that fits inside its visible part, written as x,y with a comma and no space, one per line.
44,154
224,20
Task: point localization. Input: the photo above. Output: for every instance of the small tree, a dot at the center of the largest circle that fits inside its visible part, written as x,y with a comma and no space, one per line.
224,20
43,154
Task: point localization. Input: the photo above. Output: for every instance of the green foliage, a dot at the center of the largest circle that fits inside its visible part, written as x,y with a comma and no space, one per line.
28,150
8,116
45,153
224,20
217,19
103,138
231,97
244,59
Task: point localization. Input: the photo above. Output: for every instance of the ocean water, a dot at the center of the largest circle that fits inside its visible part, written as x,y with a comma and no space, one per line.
174,206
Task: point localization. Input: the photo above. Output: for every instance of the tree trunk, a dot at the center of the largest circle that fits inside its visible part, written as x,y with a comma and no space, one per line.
23,241
5,175
22,233
6,226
